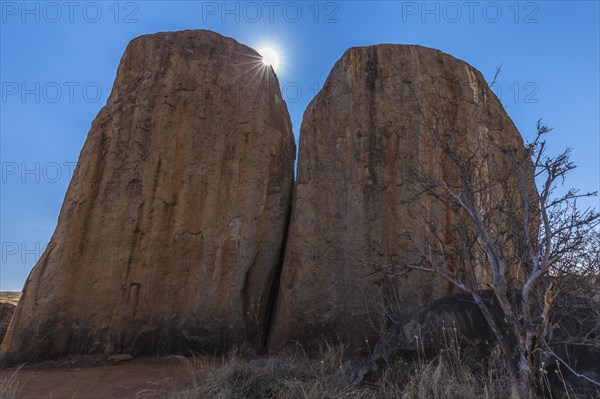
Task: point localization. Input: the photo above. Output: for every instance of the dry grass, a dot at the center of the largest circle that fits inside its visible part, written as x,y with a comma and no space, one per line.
10,387
291,375
295,375
447,377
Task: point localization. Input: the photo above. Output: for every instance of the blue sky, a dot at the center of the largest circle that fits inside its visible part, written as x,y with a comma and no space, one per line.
59,59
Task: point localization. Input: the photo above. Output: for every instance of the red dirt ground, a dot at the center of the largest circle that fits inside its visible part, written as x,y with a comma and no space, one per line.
140,378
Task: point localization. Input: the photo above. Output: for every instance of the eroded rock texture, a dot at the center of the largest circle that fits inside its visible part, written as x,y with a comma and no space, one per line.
361,137
171,229
448,322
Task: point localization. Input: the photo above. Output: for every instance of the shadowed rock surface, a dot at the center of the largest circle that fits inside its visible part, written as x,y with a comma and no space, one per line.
6,313
7,310
171,229
575,336
8,303
446,323
454,324
360,137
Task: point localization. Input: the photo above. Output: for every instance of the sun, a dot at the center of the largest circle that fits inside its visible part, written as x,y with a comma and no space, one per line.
270,56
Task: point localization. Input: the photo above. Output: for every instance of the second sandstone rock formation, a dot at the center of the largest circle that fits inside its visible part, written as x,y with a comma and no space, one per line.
360,138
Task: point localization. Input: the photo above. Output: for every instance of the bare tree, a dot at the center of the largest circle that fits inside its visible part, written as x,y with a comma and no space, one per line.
532,247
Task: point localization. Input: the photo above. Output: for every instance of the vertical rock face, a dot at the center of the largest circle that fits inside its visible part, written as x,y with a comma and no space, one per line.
358,140
171,229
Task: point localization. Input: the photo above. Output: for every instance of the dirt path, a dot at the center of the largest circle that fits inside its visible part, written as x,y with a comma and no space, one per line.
85,379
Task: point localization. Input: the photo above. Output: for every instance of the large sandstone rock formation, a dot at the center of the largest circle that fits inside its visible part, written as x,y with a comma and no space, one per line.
171,229
361,136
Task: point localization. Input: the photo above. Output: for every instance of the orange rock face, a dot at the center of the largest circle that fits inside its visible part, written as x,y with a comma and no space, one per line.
360,137
172,227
